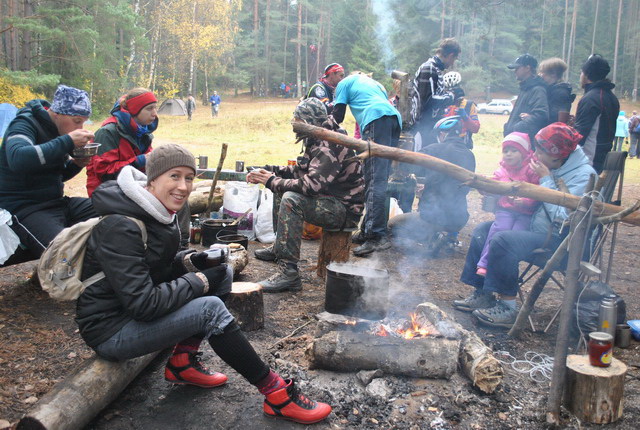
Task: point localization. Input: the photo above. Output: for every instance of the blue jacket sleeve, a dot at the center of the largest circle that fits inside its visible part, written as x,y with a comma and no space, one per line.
576,186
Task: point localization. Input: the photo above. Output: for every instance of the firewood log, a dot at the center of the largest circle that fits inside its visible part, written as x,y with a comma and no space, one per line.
239,258
334,246
247,306
200,197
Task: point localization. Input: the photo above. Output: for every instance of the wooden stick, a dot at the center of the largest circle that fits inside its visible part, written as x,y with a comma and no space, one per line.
293,333
619,216
223,155
520,189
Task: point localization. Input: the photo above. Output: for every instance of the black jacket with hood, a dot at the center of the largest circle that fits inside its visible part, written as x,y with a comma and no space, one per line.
560,99
140,284
532,100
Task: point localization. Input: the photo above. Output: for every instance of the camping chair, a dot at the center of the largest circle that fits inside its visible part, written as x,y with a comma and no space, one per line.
611,176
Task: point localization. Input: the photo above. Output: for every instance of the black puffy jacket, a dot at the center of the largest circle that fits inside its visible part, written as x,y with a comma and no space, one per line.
532,100
140,284
560,99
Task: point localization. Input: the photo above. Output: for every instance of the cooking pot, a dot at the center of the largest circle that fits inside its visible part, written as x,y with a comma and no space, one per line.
356,291
211,227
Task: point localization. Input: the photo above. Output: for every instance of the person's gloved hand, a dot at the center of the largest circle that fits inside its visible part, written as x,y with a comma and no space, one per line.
180,257
199,259
215,275
457,92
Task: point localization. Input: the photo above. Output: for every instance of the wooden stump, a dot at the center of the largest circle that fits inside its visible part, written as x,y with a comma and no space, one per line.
594,394
246,305
334,246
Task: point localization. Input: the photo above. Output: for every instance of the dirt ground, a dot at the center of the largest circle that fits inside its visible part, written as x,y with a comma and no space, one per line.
39,345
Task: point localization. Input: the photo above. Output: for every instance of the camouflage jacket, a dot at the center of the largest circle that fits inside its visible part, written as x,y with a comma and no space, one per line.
325,169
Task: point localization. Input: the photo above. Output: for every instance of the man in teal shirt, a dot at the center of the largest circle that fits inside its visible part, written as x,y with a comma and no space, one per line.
381,123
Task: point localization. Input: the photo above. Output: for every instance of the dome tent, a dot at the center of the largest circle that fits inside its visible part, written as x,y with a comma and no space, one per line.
172,107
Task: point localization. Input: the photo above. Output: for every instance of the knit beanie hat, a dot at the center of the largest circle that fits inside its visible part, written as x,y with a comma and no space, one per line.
167,157
71,101
519,141
558,139
596,68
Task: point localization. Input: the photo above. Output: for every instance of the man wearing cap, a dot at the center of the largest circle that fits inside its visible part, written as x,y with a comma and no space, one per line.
430,97
531,111
325,88
597,111
35,160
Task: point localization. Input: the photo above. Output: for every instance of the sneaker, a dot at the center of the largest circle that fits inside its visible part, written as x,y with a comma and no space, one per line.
186,368
482,271
477,300
501,315
265,254
290,404
372,245
287,278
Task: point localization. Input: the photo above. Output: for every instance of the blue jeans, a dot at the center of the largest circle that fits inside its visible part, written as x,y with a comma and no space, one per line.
383,131
202,317
506,250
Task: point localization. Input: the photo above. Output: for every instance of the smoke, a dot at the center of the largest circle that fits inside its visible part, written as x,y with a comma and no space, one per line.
385,23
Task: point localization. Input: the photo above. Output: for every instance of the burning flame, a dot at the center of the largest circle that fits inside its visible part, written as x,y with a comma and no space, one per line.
382,331
350,322
416,330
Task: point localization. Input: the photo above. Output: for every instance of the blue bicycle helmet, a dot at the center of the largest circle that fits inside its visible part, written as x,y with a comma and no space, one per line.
449,124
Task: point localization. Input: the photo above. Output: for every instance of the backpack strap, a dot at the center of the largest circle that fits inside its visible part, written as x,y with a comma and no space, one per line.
100,275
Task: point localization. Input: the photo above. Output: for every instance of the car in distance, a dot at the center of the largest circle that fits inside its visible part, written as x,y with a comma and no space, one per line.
499,106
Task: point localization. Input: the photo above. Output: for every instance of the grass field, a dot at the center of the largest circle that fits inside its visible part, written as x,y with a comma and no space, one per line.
259,132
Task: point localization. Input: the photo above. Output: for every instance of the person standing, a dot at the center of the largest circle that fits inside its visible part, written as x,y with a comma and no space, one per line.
634,134
381,123
465,109
191,106
531,111
430,97
559,94
215,104
325,88
597,111
36,158
622,131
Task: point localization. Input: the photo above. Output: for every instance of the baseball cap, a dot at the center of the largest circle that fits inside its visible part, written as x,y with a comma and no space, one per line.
524,60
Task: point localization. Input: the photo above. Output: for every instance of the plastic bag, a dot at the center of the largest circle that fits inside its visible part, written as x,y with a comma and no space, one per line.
9,241
264,217
588,308
394,208
238,198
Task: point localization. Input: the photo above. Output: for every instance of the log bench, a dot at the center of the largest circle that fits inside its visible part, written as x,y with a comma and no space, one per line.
335,245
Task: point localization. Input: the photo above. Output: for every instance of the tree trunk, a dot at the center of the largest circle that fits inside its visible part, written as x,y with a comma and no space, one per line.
564,34
154,58
544,10
132,42
572,38
192,61
595,25
25,60
298,51
615,50
267,47
471,179
246,305
286,37
256,27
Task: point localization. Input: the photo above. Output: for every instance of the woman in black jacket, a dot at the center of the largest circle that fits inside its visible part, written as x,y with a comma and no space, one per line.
152,297
558,93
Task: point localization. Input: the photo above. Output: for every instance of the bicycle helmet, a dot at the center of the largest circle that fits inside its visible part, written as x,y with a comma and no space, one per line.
451,79
449,124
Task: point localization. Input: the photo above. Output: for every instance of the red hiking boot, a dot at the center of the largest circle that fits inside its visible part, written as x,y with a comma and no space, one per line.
290,404
186,368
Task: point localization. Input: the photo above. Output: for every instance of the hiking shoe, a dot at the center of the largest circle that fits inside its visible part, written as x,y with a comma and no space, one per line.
372,245
265,254
287,278
358,237
289,403
186,368
477,300
501,315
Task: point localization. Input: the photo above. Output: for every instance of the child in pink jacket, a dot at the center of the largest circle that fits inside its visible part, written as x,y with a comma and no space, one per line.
513,213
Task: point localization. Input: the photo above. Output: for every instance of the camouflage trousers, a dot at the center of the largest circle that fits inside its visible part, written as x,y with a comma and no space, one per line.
291,210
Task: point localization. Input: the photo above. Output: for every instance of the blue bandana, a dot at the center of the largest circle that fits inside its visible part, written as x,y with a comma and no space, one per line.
71,101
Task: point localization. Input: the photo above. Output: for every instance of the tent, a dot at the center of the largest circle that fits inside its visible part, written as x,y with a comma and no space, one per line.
172,107
7,114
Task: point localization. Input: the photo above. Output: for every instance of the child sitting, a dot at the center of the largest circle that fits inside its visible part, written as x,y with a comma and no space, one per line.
513,213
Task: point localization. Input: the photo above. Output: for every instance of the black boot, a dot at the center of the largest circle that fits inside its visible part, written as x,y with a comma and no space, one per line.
265,254
287,278
371,246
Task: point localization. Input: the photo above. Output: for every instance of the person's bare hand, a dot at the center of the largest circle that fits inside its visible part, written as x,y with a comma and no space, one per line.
81,162
524,116
259,176
540,169
80,137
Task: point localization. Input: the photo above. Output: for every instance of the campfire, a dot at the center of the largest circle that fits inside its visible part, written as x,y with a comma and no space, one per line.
414,327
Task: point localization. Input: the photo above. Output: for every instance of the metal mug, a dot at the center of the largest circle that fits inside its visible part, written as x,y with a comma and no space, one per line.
623,335
239,166
203,161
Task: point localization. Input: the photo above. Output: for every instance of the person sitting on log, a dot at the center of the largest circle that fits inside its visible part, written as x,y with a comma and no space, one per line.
324,188
153,297
126,138
557,156
443,203
35,161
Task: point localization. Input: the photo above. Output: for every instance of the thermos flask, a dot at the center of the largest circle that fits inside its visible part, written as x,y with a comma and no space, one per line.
608,315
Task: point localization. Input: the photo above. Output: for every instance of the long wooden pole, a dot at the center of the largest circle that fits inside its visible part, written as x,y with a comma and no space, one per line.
471,179
223,155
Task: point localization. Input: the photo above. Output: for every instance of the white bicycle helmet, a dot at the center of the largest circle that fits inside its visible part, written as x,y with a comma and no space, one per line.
451,79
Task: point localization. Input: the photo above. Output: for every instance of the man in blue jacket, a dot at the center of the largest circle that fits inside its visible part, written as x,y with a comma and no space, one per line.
35,161
557,156
215,103
381,123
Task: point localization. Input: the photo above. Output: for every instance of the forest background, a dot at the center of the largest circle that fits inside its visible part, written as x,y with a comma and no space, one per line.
176,47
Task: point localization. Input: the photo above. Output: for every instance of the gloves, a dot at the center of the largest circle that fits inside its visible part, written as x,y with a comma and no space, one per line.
457,92
181,257
199,260
215,275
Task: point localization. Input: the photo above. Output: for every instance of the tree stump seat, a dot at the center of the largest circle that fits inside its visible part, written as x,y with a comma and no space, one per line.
335,245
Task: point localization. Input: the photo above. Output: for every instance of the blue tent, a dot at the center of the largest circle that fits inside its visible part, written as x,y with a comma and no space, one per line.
7,114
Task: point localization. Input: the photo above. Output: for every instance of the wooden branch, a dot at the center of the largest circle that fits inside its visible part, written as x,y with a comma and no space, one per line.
223,155
619,216
474,180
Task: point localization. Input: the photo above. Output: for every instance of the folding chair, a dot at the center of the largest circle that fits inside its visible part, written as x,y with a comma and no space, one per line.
612,175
